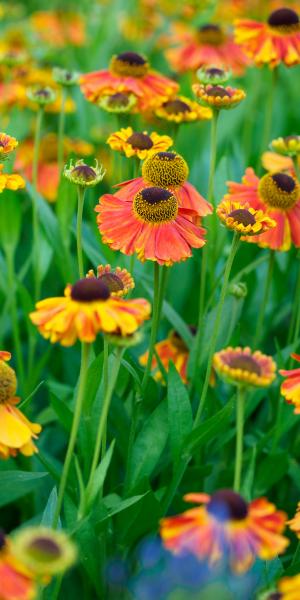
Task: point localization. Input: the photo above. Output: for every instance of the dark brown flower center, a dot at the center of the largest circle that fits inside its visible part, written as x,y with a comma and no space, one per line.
245,363
214,72
284,182
166,155
153,195
175,107
141,141
210,34
132,58
44,549
85,172
275,596
42,93
112,281
243,216
227,505
118,99
2,539
178,341
87,290
283,17
216,91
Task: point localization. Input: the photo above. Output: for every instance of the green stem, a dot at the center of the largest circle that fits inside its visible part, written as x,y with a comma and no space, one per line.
296,166
14,317
108,392
295,308
105,385
154,327
263,306
240,409
213,156
74,431
217,323
61,128
35,215
81,193
131,264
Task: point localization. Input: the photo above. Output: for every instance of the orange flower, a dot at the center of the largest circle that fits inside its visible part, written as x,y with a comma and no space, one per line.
169,170
59,28
218,96
278,195
241,366
139,144
271,161
151,224
294,523
10,181
243,219
7,145
207,45
174,350
273,42
129,72
16,584
181,109
290,388
86,309
288,588
226,527
118,281
48,171
16,432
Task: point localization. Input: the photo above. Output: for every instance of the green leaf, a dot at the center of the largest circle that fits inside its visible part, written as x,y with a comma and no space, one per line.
209,429
149,445
63,412
101,473
267,475
179,411
114,505
16,484
48,514
10,220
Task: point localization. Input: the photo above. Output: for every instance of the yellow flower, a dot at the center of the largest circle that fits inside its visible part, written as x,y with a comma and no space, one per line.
118,281
16,432
289,588
10,181
218,96
44,551
182,110
241,366
243,218
140,144
86,309
7,145
288,146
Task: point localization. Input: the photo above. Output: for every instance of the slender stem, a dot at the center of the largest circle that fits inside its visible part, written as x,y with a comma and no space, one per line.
131,264
154,327
296,166
295,308
216,327
213,155
263,306
61,128
14,317
269,109
105,385
240,409
35,214
81,193
108,392
74,430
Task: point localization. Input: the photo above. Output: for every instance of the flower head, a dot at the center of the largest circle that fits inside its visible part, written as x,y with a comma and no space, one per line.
152,225
7,145
129,72
17,583
288,588
290,388
294,523
225,526
44,551
287,146
64,77
10,181
174,350
119,102
118,281
83,174
243,367
41,95
278,195
243,218
140,144
165,169
273,42
212,75
86,309
16,432
218,96
181,109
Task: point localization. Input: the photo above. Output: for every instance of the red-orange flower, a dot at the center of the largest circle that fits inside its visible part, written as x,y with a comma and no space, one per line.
59,28
168,170
151,223
225,526
15,583
208,45
173,350
290,388
273,42
129,72
277,194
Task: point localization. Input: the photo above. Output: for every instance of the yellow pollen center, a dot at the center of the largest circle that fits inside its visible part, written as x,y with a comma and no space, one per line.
165,169
8,382
279,190
155,205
